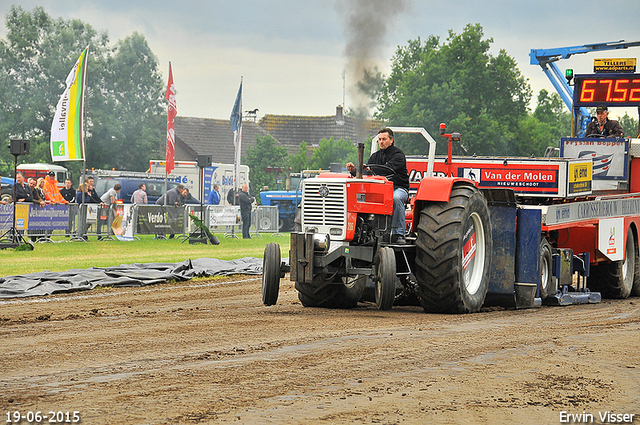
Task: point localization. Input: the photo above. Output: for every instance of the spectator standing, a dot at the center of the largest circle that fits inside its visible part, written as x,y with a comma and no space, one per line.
40,190
90,195
187,196
175,197
87,193
22,190
51,192
109,198
33,185
140,195
68,192
246,201
214,196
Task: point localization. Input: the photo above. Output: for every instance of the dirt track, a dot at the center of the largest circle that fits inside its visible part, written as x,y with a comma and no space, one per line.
210,352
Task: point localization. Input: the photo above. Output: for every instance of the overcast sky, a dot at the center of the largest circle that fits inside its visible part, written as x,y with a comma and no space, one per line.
292,53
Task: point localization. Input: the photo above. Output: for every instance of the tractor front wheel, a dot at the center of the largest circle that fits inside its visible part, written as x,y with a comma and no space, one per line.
271,273
385,278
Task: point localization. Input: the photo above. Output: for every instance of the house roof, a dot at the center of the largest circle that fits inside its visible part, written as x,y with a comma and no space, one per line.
206,136
291,130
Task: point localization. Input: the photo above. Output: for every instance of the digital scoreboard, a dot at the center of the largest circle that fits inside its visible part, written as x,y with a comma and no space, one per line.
607,89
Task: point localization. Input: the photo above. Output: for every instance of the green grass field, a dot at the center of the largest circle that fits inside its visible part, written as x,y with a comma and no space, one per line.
62,255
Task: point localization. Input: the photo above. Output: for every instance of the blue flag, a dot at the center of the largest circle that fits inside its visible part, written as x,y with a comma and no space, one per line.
236,113
236,126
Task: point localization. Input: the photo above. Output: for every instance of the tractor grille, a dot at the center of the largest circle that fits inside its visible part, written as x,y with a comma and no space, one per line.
324,203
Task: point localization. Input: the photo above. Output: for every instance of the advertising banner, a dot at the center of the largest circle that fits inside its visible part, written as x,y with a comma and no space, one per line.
49,217
34,217
124,221
6,217
223,216
158,219
610,157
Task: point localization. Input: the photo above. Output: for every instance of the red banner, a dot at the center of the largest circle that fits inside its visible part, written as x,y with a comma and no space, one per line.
171,141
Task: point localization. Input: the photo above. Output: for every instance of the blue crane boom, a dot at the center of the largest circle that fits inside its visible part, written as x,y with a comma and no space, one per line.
547,59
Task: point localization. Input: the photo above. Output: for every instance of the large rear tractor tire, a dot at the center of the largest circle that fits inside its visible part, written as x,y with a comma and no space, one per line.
453,252
615,279
385,278
271,274
547,281
345,294
635,291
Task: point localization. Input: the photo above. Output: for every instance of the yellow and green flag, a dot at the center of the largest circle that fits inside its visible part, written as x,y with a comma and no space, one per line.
67,138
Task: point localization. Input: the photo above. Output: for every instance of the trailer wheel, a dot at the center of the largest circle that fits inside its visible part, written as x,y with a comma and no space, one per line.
453,252
264,223
5,194
345,294
615,279
547,282
385,278
271,274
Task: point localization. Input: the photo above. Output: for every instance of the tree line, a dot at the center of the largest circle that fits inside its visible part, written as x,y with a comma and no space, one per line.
124,99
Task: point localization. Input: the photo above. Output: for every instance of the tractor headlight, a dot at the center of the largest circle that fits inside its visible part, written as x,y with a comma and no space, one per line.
321,242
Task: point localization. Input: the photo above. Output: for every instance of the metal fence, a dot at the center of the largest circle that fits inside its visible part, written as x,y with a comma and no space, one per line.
125,221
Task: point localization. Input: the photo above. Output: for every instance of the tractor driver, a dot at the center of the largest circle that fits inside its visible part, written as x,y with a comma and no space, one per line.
393,157
603,126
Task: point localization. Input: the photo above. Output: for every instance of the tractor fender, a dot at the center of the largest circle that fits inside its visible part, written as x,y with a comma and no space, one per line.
438,189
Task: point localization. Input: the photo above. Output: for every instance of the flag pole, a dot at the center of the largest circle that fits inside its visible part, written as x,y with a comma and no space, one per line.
236,126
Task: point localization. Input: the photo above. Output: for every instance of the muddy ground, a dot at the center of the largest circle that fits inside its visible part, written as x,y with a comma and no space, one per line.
210,352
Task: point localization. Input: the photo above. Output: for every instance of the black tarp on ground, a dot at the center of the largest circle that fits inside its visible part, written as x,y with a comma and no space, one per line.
45,283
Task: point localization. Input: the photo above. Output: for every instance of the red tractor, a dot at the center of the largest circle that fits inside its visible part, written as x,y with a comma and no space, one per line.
345,240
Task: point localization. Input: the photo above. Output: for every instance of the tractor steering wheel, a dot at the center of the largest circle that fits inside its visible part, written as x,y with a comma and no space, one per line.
383,170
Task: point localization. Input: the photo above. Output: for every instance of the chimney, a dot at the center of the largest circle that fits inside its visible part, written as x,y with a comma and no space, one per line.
339,115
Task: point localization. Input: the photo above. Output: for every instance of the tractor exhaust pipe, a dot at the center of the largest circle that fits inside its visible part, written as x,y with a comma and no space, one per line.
360,164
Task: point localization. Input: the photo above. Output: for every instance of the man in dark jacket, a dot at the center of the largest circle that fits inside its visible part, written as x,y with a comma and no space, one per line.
68,192
175,197
392,156
22,190
245,200
603,126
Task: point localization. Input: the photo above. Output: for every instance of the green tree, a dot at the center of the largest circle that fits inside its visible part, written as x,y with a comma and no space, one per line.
630,126
266,160
36,58
484,97
299,161
549,122
130,114
123,98
332,151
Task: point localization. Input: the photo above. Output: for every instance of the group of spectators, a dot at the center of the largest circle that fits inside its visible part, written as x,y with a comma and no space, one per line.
40,191
43,191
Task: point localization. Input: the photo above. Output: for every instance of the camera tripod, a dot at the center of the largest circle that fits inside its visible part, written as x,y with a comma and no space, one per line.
12,238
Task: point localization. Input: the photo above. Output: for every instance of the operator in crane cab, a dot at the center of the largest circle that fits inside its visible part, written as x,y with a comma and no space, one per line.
391,156
603,126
